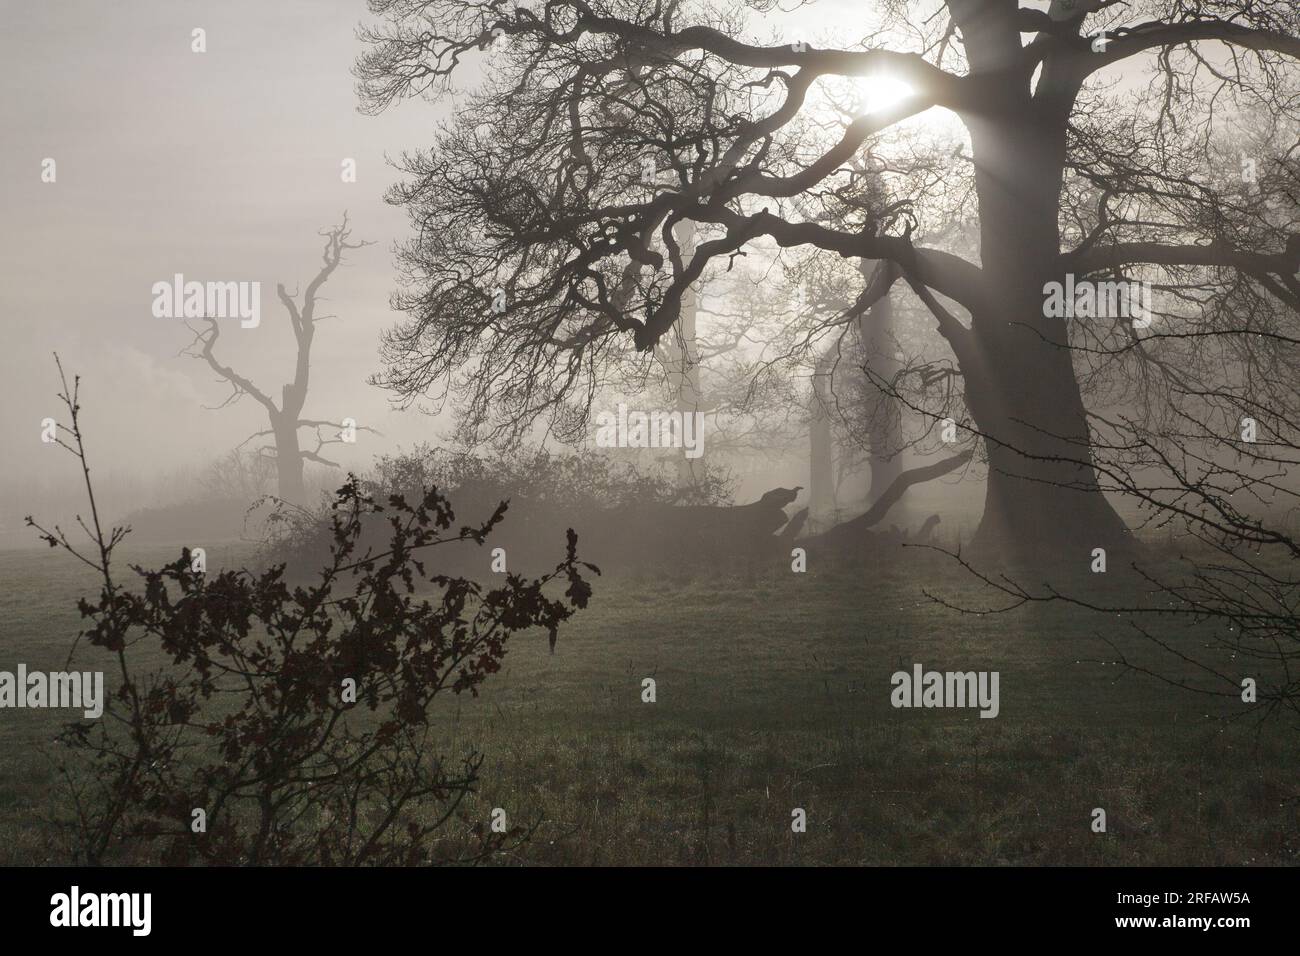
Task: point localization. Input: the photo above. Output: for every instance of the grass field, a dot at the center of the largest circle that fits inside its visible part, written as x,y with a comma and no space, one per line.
773,694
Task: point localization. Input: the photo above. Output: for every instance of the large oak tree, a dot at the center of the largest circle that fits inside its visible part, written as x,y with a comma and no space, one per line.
554,194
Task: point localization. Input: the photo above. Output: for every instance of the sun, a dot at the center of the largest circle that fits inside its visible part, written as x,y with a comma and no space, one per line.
875,93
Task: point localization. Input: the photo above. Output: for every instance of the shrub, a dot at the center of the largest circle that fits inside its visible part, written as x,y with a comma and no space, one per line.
249,718
548,493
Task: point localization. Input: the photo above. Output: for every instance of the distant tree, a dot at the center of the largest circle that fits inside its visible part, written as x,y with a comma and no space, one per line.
241,474
287,417
291,725
864,415
715,359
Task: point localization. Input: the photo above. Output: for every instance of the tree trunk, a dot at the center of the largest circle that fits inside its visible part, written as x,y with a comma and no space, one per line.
885,420
883,426
1042,499
684,368
288,462
1042,502
851,535
821,443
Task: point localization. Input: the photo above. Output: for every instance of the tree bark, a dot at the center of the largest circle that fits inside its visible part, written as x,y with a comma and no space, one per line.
288,460
1042,501
684,362
885,420
821,442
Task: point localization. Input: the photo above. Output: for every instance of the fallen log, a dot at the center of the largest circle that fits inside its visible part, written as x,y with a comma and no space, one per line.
851,534
662,532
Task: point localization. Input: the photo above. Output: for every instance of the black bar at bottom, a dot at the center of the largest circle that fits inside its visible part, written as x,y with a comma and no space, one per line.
219,906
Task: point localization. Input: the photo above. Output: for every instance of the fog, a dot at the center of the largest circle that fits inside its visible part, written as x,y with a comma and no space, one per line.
221,166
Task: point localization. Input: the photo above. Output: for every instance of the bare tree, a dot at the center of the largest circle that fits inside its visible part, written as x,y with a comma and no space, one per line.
287,417
867,412
538,193
720,342
1213,473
